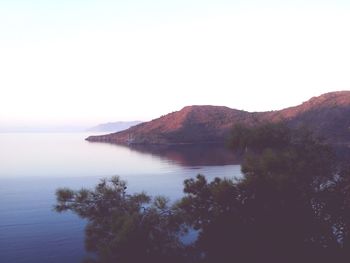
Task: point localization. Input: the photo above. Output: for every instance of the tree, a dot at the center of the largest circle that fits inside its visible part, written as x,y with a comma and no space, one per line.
286,208
122,227
292,205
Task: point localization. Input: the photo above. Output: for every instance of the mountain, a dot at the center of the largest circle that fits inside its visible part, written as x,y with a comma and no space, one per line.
328,115
114,126
192,124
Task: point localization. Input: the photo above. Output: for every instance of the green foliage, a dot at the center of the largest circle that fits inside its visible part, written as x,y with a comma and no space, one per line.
122,227
265,136
292,205
289,206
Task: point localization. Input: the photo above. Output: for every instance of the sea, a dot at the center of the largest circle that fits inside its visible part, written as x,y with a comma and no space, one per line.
34,165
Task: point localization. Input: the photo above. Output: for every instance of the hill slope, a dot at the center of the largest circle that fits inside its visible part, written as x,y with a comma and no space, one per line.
328,115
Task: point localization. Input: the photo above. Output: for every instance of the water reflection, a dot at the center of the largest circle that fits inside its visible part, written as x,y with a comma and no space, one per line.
33,166
188,154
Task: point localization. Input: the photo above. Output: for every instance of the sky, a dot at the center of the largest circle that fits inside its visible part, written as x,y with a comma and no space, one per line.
78,62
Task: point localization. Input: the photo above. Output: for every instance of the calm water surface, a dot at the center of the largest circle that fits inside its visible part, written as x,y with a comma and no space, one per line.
33,166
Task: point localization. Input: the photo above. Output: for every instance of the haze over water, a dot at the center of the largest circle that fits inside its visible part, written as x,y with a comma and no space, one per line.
33,166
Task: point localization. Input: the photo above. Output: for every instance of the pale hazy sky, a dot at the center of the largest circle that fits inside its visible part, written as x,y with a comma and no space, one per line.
84,61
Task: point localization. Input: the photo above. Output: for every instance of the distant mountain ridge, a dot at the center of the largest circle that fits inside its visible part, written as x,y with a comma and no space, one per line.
114,126
328,115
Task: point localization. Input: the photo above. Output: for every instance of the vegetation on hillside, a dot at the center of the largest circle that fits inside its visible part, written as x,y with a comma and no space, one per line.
326,115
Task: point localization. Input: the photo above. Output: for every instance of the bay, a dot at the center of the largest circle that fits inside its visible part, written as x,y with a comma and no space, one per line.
34,165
